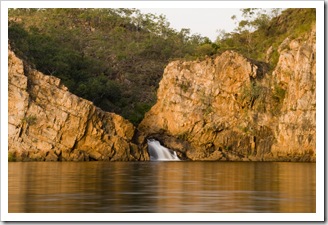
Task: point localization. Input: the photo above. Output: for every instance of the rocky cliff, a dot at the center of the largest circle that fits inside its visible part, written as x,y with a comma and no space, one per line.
48,123
225,108
233,108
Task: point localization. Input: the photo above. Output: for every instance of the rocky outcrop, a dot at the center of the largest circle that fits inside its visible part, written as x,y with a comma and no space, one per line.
224,108
231,108
48,123
296,71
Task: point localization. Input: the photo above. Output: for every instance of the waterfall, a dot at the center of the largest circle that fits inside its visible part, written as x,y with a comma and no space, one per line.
158,152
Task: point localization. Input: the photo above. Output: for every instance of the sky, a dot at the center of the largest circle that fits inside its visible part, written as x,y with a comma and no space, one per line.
205,22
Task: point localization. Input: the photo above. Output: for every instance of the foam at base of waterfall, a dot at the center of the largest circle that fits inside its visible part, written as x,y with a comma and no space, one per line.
157,152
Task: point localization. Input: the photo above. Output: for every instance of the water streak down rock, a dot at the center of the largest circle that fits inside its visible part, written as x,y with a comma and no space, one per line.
230,108
48,123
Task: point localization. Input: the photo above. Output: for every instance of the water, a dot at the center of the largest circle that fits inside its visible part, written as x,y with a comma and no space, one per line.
160,187
158,152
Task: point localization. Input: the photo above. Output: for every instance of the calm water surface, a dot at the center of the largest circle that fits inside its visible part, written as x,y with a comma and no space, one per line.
160,187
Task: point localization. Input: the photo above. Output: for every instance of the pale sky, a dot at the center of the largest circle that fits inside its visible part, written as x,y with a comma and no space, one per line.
203,21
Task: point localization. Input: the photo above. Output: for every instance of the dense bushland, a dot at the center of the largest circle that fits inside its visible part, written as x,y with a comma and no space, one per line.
112,57
115,57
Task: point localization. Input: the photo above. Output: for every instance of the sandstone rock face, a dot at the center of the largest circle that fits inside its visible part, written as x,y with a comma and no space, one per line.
231,108
296,71
48,123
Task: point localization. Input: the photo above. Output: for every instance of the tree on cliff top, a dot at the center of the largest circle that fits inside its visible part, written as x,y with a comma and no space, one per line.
260,29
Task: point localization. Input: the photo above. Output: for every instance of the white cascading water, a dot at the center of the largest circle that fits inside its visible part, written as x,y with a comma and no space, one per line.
158,152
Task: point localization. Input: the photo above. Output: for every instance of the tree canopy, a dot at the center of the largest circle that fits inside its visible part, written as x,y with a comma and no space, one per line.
112,57
260,29
116,57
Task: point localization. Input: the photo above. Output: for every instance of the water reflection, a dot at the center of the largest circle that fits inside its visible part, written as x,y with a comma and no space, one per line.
161,187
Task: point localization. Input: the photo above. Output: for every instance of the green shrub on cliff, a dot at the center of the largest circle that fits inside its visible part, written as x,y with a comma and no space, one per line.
260,98
11,157
278,96
249,94
29,120
279,93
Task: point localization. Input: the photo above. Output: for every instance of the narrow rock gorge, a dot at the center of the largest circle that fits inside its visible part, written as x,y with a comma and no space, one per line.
231,108
221,108
48,123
